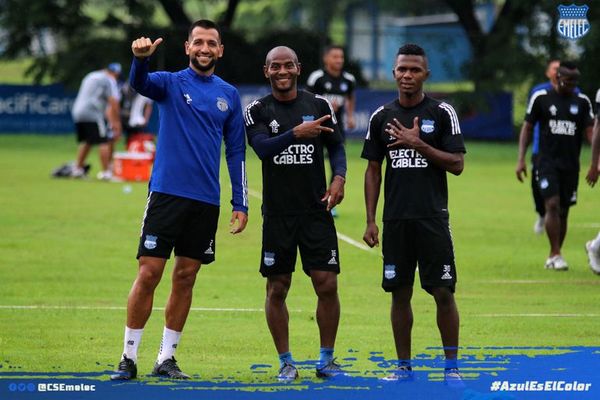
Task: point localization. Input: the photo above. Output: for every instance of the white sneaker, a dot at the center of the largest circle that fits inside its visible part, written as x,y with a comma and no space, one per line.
593,258
104,175
556,263
539,225
77,172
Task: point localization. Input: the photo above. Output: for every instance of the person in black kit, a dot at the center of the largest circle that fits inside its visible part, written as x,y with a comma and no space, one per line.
288,130
336,85
420,139
564,117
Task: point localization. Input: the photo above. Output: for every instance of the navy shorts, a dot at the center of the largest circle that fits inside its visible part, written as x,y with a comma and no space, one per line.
426,242
313,234
173,222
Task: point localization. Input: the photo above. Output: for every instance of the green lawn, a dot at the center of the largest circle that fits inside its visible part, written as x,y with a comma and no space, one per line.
69,247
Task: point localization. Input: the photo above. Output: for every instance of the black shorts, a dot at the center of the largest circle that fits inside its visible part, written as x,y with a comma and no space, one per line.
187,225
91,133
426,241
553,182
314,234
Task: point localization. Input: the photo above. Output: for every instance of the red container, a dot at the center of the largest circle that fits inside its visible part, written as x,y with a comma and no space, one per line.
131,166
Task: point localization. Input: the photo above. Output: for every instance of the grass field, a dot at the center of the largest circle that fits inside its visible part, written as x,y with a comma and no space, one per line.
69,247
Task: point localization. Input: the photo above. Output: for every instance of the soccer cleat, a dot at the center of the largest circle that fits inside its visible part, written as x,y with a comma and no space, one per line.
329,370
127,370
401,374
453,378
169,369
593,258
556,263
538,226
287,373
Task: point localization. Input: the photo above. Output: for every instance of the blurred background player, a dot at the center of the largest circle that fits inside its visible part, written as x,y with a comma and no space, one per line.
97,99
136,111
288,130
337,86
565,117
551,71
592,247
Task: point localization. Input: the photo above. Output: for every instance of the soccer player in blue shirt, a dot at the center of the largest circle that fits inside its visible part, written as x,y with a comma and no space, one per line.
198,111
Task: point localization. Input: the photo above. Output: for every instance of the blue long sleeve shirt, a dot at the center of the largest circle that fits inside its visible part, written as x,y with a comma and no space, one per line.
196,114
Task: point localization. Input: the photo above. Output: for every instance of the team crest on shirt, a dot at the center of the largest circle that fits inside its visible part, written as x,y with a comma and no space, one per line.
544,184
269,259
553,110
389,271
427,125
308,118
327,85
574,109
222,104
274,125
343,86
150,242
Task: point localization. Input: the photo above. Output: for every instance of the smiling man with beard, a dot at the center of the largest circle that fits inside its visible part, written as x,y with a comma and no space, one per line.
198,111
288,130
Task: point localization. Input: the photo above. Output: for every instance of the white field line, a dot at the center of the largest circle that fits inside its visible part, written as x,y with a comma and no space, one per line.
586,225
537,315
122,308
340,235
209,309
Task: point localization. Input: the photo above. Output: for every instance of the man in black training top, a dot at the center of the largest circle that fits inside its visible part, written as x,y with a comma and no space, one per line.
288,130
565,117
420,139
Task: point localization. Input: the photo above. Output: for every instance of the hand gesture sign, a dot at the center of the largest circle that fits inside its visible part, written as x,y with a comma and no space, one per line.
311,129
143,47
404,136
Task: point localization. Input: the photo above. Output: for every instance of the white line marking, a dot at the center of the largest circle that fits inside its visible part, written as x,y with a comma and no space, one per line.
587,225
540,281
340,235
354,243
122,308
536,315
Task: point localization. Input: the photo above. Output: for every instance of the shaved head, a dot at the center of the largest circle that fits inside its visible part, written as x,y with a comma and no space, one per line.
281,52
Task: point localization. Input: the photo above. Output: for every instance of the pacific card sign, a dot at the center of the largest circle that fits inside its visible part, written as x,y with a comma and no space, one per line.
39,109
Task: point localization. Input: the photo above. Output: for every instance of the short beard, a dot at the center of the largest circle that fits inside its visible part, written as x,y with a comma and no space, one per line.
203,68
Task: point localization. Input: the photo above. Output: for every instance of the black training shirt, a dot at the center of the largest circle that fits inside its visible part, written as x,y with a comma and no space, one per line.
414,187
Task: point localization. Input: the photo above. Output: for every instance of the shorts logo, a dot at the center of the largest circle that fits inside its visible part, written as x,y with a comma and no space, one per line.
308,118
389,271
222,104
150,242
210,248
544,184
427,126
574,109
269,259
446,274
333,260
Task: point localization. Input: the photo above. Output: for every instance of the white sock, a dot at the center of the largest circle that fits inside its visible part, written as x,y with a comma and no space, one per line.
596,243
168,345
131,342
